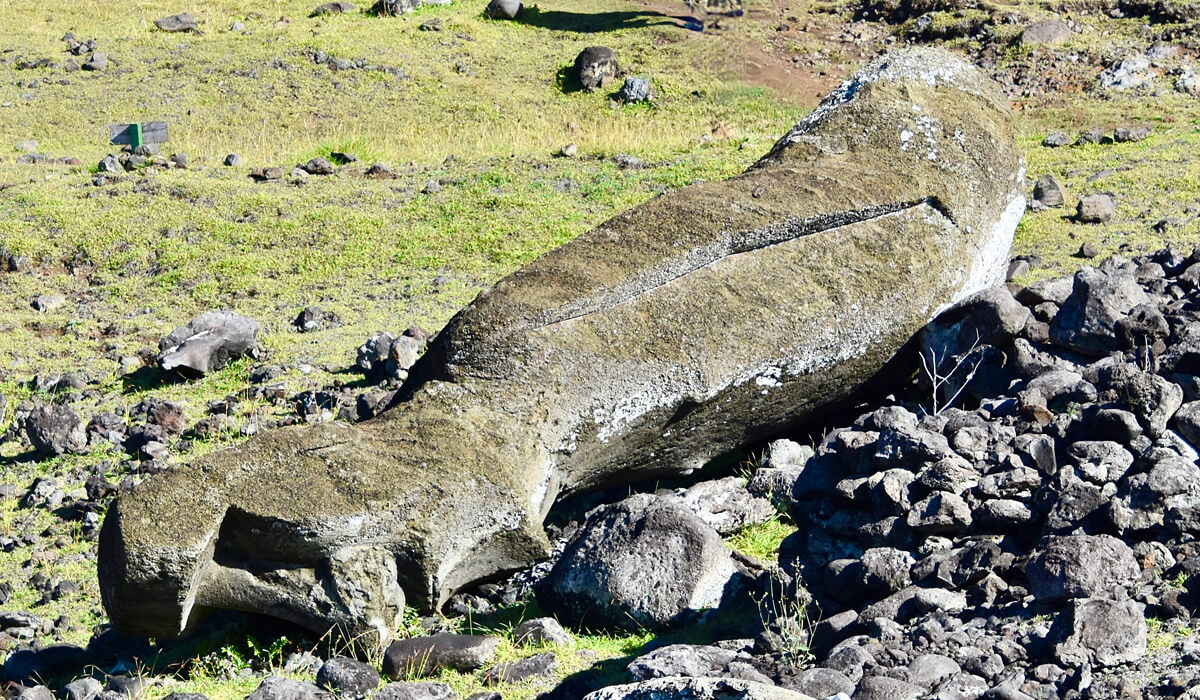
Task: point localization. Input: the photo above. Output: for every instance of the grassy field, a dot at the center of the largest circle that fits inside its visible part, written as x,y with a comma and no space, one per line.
481,107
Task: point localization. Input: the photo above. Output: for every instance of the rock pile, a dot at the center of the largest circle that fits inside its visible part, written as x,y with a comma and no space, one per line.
1015,548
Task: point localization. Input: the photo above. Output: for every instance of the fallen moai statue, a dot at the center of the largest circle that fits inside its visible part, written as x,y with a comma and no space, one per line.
701,321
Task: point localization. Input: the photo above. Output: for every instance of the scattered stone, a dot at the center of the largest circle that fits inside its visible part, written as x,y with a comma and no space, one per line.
55,430
1056,140
595,66
504,9
233,160
1047,191
347,677
279,688
415,691
1047,31
1087,251
635,89
208,342
333,8
1127,73
643,563
537,666
424,656
319,166
684,688
542,630
182,22
1096,209
49,302
569,151
97,62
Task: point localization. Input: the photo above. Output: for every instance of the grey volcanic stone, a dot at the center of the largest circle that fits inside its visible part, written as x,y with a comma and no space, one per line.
278,688
1047,191
693,660
208,342
594,65
54,430
1079,566
415,691
608,358
1099,298
422,656
333,8
726,505
884,688
504,9
1047,31
1102,632
1096,208
635,89
680,688
537,666
542,630
182,22
347,677
645,562
821,682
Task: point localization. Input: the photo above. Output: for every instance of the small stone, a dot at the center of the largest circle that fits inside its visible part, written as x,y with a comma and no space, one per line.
433,24
319,166
182,22
1047,191
97,62
333,8
347,677
634,90
27,146
504,9
233,160
422,656
48,302
1087,251
569,151
595,66
542,630
180,160
541,665
1096,209
1056,140
432,186
1132,134
1047,31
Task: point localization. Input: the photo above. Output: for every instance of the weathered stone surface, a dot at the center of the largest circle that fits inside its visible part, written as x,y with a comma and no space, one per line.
596,65
606,359
207,342
680,688
1079,566
643,563
1102,632
422,656
347,677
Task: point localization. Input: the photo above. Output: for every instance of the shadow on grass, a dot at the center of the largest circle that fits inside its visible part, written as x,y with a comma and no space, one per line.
596,22
147,378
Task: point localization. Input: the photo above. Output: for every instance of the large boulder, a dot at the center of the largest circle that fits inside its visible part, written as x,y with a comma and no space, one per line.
1079,566
607,359
644,563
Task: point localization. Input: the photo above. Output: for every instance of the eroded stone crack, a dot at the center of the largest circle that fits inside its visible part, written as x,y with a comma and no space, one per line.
736,243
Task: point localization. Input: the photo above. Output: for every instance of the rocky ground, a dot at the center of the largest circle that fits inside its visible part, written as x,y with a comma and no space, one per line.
1017,519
